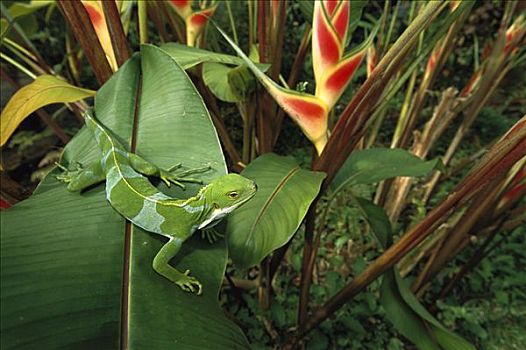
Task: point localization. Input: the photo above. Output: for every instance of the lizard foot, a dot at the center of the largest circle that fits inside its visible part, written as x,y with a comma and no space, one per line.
68,175
189,283
180,177
211,234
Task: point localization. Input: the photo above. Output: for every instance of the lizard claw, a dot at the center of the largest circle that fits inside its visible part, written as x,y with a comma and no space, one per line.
190,284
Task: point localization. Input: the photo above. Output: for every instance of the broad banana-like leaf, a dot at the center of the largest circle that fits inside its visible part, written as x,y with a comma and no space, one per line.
268,221
76,275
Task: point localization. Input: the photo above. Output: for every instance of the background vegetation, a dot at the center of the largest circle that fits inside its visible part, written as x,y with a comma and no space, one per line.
387,244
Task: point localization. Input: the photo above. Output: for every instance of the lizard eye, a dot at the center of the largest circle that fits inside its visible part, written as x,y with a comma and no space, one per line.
233,195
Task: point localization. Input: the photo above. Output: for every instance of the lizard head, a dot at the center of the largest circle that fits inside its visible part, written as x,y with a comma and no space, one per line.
228,192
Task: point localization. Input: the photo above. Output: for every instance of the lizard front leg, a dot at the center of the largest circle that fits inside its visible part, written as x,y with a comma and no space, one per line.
161,266
80,178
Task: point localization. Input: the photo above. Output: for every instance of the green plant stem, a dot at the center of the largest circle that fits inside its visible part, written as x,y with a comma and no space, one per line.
27,60
18,66
251,25
143,21
385,44
232,23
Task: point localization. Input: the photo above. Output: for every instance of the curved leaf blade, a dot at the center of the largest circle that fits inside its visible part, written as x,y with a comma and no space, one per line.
402,308
377,164
268,221
189,57
44,90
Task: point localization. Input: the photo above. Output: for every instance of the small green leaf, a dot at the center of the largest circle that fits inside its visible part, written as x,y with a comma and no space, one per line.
377,219
268,221
377,164
44,90
4,25
189,57
217,77
19,9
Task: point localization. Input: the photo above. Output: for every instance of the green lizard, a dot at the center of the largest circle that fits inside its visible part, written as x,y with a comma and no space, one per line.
135,198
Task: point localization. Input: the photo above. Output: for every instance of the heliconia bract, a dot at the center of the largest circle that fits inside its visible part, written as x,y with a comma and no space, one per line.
96,15
332,71
195,21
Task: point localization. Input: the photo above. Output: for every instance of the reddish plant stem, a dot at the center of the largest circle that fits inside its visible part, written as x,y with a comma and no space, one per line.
473,261
262,30
117,36
309,257
80,24
500,158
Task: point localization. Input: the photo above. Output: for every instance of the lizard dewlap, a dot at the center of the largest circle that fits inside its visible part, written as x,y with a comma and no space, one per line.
134,197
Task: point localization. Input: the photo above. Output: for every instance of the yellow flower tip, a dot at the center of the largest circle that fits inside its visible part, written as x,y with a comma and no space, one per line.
320,143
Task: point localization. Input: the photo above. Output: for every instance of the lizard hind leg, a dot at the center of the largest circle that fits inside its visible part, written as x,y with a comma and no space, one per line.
161,266
144,167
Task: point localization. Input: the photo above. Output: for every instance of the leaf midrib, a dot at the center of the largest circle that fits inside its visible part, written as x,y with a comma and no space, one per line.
269,200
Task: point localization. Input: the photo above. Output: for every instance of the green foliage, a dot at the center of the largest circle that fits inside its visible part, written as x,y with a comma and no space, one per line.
78,261
377,164
495,299
260,226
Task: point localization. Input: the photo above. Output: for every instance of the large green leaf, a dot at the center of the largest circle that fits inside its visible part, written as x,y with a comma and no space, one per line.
268,221
64,265
377,164
401,306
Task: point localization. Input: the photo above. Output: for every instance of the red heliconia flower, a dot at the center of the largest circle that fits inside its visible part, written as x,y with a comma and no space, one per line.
96,15
195,24
332,70
195,21
182,7
308,111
